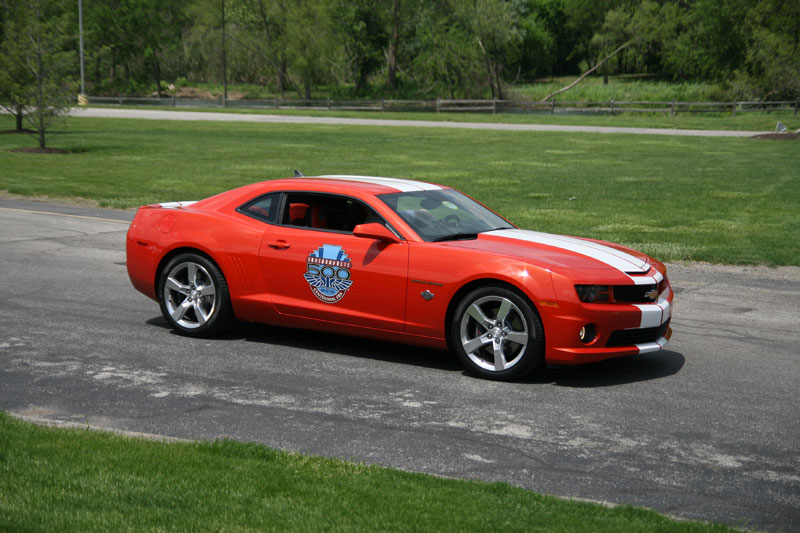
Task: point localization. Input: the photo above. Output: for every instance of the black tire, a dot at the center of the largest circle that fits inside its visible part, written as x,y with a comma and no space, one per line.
497,347
194,296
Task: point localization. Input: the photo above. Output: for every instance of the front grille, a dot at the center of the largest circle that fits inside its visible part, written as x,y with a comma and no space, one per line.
629,337
633,293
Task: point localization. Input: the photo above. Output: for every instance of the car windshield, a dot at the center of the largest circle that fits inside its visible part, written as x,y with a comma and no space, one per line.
443,214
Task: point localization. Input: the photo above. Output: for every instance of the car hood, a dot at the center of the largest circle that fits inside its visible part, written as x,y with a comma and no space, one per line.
561,253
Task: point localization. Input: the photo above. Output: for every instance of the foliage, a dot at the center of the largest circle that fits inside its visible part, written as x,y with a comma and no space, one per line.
427,49
36,61
771,69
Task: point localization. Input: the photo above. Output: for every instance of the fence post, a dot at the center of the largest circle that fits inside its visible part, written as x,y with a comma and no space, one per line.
383,107
119,98
733,109
494,106
173,100
612,106
672,109
329,103
437,104
553,106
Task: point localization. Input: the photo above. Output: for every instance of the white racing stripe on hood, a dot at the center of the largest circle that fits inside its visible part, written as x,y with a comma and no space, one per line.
620,260
396,183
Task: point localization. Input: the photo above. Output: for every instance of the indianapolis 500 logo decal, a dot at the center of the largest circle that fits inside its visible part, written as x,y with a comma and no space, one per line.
328,273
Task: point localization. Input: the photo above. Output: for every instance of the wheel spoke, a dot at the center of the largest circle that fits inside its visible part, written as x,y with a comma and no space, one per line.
175,285
499,356
180,311
475,312
473,344
191,273
502,313
202,316
208,290
518,337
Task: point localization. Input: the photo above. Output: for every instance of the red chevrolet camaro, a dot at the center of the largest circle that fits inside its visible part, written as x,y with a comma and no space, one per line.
397,260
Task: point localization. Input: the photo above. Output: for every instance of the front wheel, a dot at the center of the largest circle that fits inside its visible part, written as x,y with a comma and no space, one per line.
194,296
497,334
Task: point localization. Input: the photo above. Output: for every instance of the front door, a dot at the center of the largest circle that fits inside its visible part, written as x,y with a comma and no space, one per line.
316,268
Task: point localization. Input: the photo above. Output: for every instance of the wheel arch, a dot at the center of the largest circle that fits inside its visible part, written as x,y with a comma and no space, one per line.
176,252
476,284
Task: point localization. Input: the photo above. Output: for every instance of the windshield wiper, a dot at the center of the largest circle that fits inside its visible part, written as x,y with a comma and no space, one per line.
456,237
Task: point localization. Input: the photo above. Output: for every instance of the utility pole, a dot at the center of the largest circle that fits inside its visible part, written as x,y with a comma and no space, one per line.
82,100
224,62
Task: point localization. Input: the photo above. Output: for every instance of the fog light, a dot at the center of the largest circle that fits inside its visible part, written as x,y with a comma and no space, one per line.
586,334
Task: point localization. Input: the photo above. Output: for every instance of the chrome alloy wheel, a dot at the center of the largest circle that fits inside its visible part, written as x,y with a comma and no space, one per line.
190,295
494,333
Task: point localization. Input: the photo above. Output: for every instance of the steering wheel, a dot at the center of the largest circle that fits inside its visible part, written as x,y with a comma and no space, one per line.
452,221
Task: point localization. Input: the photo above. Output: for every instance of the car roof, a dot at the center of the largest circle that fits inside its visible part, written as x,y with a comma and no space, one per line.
398,185
340,184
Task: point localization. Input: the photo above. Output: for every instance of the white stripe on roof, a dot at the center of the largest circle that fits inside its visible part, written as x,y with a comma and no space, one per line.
620,260
399,184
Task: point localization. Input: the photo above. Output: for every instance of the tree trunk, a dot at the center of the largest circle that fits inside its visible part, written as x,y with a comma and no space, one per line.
18,116
158,75
391,60
307,88
280,76
576,82
39,90
112,71
224,61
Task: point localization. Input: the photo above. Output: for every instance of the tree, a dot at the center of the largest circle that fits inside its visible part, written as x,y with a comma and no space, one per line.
310,44
447,57
394,45
772,65
495,30
14,77
36,41
361,33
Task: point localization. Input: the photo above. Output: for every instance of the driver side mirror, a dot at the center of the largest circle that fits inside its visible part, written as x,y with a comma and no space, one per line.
375,231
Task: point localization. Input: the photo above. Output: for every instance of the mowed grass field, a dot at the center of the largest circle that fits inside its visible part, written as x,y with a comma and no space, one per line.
79,480
720,200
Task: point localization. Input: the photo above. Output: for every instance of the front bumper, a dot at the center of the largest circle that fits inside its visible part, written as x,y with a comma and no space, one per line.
620,329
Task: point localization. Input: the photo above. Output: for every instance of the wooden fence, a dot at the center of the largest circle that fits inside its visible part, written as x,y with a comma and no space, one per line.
554,107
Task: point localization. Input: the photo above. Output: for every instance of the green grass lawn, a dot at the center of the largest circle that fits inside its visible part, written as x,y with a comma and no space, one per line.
79,480
721,200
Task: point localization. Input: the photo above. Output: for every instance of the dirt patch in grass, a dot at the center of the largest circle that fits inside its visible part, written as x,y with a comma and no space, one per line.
786,136
75,201
38,150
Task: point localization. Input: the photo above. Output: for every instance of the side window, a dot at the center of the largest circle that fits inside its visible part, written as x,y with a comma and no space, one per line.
326,212
263,208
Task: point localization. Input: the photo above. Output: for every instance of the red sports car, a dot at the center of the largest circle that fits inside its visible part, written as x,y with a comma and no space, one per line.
397,260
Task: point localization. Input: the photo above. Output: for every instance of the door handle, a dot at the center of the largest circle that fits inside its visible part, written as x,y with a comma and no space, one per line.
279,244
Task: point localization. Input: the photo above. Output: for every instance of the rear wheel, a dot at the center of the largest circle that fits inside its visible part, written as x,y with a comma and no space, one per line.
194,296
497,334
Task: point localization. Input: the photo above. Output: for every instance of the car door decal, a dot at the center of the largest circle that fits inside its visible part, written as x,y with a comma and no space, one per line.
328,273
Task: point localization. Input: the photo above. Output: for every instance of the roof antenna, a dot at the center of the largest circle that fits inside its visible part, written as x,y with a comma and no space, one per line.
298,174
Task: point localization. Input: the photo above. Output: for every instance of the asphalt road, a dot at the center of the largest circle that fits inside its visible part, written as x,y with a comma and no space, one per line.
707,429
150,114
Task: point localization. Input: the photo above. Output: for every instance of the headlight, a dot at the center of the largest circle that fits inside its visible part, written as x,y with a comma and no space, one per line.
592,293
